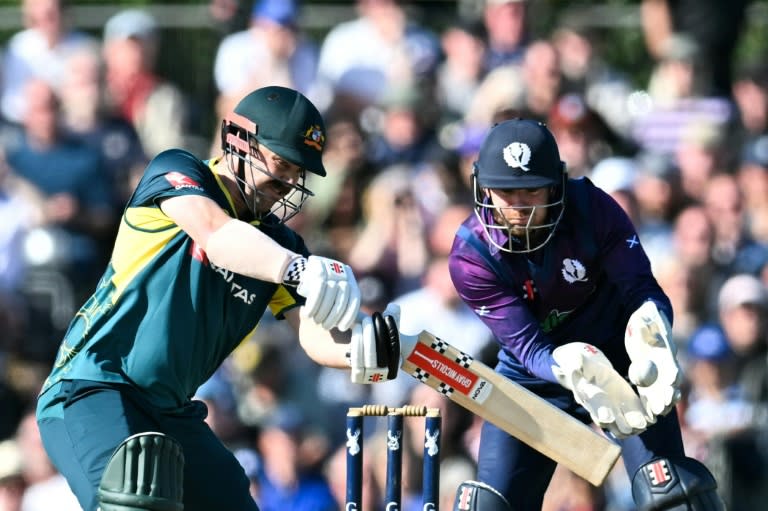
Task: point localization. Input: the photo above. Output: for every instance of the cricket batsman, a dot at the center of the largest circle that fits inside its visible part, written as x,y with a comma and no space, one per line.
202,251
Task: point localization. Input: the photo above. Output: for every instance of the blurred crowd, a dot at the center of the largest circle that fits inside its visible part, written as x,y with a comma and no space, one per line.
406,106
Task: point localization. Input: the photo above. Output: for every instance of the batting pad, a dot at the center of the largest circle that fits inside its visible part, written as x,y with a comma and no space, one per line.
145,473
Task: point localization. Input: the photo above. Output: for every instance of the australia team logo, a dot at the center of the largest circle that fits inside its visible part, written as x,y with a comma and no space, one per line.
314,137
517,155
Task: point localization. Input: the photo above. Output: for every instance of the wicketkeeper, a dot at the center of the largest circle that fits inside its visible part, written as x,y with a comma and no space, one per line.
556,270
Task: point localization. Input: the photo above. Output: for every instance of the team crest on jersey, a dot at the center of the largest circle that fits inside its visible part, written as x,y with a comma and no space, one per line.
574,271
517,155
179,180
314,137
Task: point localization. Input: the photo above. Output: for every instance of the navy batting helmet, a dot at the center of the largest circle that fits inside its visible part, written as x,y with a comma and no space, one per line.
519,154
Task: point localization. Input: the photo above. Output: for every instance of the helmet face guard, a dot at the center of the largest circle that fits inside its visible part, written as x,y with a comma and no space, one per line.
499,231
239,142
519,154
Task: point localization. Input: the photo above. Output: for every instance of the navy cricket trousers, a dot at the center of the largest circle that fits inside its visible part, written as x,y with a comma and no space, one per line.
84,422
522,474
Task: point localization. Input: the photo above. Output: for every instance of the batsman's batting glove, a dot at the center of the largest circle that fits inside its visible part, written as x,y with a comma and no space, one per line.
599,388
654,369
333,297
374,354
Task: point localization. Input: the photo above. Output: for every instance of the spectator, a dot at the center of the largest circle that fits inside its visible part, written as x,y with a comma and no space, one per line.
733,251
506,24
87,117
604,87
742,307
392,246
716,404
461,70
19,216
157,108
752,177
75,197
292,457
714,27
12,483
271,51
692,239
406,132
37,52
530,87
750,94
219,395
583,137
672,109
657,189
362,58
616,176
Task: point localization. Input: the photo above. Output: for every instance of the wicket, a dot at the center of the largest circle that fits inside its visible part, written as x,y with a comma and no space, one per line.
393,490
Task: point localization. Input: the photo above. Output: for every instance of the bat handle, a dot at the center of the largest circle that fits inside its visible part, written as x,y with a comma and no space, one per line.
407,344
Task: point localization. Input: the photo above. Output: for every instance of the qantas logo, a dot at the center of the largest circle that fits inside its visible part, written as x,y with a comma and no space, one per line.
179,180
237,290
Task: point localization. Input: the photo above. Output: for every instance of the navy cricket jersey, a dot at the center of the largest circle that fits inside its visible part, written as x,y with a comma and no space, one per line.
163,317
581,286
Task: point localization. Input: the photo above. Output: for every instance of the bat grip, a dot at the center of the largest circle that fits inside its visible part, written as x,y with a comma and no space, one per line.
407,344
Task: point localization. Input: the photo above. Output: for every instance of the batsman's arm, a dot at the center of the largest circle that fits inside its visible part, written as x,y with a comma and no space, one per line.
511,407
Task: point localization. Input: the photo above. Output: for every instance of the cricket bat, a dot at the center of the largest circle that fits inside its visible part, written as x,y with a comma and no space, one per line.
513,408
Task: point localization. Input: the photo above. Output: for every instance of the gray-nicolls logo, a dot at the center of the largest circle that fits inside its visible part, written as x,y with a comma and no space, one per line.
517,155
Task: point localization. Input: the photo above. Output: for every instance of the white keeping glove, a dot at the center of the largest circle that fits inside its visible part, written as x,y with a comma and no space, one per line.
599,388
654,369
374,354
333,298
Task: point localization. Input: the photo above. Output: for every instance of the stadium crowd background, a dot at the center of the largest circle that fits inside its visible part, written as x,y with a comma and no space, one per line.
668,114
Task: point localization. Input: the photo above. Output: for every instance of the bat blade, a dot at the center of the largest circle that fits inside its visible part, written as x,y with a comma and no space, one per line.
513,408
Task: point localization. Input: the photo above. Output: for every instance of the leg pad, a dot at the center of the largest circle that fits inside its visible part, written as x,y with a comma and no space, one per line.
145,473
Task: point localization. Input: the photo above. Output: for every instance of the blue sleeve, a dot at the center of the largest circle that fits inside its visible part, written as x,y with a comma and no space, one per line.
624,260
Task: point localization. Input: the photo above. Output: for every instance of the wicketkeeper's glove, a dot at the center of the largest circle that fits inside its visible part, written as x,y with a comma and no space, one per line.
599,388
654,369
